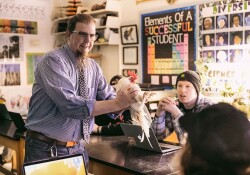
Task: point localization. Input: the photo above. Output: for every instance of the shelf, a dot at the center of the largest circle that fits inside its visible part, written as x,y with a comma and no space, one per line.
101,28
102,11
109,32
112,22
92,13
95,55
59,33
104,43
62,19
101,44
62,33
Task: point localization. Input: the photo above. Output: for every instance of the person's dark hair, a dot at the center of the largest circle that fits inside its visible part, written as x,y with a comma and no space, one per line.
220,36
14,38
239,34
235,15
114,80
218,141
82,18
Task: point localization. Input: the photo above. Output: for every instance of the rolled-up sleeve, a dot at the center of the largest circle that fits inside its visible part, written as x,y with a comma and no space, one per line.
159,127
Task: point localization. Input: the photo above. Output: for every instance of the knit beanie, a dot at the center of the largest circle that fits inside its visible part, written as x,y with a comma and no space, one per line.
191,76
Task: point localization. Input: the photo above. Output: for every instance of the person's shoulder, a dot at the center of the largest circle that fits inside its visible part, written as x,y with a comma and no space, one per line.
52,58
204,102
92,63
56,53
91,60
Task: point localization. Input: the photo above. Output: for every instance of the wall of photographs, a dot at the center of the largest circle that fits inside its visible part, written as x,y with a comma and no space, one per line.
24,35
224,41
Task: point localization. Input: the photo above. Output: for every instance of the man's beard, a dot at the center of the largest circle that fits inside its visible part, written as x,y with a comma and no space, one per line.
81,54
80,59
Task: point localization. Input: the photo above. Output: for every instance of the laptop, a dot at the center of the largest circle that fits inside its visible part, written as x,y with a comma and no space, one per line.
18,121
4,114
8,128
135,133
70,164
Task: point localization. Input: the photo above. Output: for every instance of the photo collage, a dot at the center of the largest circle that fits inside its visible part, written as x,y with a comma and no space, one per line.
224,38
224,44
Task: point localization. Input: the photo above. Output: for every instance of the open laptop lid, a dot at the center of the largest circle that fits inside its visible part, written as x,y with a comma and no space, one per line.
71,164
4,114
18,121
134,134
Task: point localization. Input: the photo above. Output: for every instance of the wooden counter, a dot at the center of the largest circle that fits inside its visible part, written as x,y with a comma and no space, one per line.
10,139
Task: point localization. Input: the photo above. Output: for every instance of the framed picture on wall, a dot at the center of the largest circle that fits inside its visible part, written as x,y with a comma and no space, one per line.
129,34
130,55
126,72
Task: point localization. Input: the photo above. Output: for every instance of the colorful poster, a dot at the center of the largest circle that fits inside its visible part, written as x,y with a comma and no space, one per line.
18,26
168,44
225,44
32,60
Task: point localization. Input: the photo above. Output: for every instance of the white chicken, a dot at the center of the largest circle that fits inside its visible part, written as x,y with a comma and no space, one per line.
139,112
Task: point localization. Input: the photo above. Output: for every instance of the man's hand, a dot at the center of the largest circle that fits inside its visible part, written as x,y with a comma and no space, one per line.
125,96
96,129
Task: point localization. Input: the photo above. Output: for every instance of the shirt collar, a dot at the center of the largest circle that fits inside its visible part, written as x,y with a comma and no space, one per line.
70,54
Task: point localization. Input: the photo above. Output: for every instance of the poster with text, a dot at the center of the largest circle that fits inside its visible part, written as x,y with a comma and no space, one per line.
168,44
224,39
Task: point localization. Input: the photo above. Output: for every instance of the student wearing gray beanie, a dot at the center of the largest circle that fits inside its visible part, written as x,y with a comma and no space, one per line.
170,110
191,76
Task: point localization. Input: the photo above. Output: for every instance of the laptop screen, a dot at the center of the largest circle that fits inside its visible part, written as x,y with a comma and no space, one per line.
66,165
18,121
4,114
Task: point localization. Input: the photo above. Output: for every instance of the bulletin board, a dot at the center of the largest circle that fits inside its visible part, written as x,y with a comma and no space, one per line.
224,39
168,44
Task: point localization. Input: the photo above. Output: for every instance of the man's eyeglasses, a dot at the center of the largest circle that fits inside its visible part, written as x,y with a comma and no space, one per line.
92,37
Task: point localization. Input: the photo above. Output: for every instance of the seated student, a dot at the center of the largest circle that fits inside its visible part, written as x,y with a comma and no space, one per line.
169,110
218,140
107,126
6,155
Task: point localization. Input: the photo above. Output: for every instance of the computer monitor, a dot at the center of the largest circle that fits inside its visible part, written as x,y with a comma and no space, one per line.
64,165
